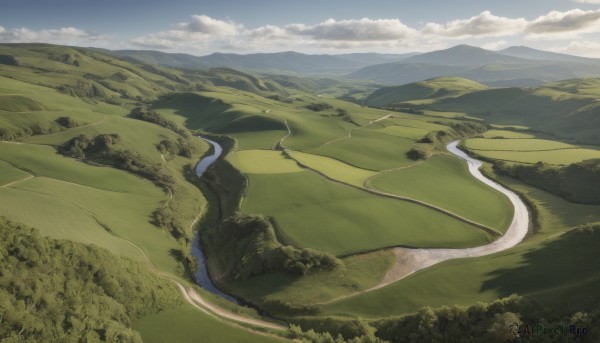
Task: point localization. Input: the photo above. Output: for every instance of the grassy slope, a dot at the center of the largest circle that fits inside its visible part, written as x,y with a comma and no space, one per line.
73,200
531,150
187,324
529,268
444,181
316,213
441,87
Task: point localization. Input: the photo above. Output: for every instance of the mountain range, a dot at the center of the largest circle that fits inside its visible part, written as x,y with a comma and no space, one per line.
514,66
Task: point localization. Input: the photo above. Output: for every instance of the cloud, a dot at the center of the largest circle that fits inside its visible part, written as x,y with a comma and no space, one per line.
572,21
484,24
581,48
65,35
587,1
207,25
495,45
355,30
200,31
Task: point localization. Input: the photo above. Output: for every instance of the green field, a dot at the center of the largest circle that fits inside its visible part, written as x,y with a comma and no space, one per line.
558,157
369,150
187,324
445,181
263,162
525,269
506,134
515,144
316,213
333,168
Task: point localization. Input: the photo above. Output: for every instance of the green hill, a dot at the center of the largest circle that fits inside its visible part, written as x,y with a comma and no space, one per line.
437,88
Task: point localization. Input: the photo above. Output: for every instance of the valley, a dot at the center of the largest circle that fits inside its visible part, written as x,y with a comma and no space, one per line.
311,206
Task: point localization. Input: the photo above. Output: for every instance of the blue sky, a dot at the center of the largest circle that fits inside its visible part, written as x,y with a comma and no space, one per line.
312,26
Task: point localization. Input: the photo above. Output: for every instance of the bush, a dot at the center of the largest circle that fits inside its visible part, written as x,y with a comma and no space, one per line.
101,149
317,107
9,60
249,245
67,122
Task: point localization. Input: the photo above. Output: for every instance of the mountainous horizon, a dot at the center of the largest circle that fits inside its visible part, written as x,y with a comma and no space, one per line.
514,66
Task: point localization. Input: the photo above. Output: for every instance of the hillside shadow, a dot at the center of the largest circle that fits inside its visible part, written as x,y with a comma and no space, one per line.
565,262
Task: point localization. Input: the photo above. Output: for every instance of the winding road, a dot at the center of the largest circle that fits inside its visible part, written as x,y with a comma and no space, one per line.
409,261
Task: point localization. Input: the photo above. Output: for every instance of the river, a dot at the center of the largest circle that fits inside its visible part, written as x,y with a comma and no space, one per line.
202,276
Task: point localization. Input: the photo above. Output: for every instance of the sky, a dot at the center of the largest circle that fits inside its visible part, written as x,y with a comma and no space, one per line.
310,26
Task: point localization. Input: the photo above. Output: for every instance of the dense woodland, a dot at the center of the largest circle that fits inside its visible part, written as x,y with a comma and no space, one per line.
61,291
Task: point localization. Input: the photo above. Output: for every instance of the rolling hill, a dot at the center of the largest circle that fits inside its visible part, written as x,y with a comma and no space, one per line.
437,88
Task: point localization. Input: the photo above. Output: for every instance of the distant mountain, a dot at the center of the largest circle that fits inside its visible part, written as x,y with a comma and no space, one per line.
162,58
534,54
483,66
464,55
281,62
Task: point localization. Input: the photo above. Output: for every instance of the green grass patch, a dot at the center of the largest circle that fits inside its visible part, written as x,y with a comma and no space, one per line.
515,144
368,149
315,213
506,134
187,324
557,157
445,181
9,174
559,271
360,272
333,168
263,162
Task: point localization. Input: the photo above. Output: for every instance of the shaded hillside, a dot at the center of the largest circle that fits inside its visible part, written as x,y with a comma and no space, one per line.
441,87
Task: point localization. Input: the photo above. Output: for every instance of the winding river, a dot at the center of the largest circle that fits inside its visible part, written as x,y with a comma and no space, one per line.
202,277
408,260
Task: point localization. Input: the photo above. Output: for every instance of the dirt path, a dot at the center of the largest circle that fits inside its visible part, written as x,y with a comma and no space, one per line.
279,145
350,131
409,261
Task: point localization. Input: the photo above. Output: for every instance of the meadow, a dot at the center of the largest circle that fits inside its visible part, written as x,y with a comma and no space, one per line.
530,268
441,181
313,212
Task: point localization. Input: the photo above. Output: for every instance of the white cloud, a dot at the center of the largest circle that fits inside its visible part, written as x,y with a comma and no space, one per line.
65,35
495,45
355,30
207,25
484,24
572,21
581,48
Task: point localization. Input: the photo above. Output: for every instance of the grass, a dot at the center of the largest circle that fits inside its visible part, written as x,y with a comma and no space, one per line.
315,213
506,134
9,174
360,272
187,324
333,168
258,140
136,135
445,181
263,162
370,150
515,144
404,132
544,265
557,157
